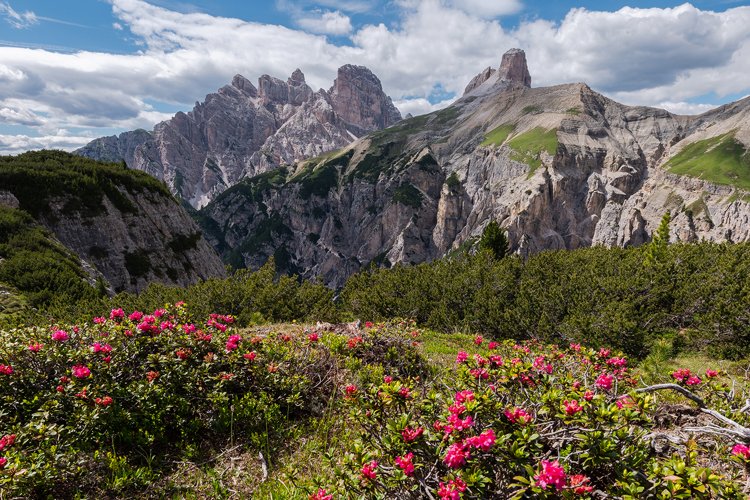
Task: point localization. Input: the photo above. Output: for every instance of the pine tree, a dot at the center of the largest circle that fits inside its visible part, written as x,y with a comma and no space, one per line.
495,240
656,253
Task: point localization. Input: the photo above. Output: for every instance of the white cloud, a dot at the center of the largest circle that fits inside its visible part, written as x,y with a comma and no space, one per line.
420,106
326,23
685,108
14,144
658,57
117,26
488,8
18,20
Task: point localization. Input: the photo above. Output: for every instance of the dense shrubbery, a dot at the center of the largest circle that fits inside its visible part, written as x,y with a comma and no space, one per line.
529,421
37,177
697,294
33,262
107,405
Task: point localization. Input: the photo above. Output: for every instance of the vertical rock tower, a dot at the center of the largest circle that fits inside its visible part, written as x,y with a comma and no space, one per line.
513,71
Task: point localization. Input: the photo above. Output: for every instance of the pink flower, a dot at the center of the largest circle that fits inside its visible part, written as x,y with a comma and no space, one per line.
159,313
518,415
617,362
579,484
604,353
406,464
410,434
485,441
35,347
189,328
3,462
742,451
321,494
105,348
478,340
572,407
351,390
711,373
369,470
313,337
693,380
479,373
461,357
135,316
681,375
552,474
369,324
452,490
249,355
460,424
60,336
387,379
575,347
588,395
492,346
105,401
404,392
464,396
233,342
7,441
182,353
116,314
605,381
100,320
6,370
81,371
456,455
625,401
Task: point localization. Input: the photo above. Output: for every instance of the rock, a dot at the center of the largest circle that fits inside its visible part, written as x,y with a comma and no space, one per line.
8,200
513,68
480,79
243,131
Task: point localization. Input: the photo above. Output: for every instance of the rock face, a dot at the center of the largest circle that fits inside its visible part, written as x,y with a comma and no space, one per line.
514,69
243,130
560,167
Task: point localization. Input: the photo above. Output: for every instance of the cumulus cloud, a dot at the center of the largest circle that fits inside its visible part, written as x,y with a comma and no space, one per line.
18,20
14,144
326,23
659,57
488,8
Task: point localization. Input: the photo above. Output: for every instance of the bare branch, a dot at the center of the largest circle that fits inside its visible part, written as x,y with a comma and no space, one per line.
677,388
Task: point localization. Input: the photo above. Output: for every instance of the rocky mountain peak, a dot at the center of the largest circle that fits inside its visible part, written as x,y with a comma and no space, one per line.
480,79
513,68
243,84
358,99
297,78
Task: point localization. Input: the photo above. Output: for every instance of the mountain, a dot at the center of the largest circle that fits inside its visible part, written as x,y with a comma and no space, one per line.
120,226
243,130
559,167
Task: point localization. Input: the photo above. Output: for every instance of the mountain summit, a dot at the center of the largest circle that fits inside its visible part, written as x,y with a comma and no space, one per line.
243,130
513,71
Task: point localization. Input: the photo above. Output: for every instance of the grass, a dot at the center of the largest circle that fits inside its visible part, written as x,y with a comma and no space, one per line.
721,160
11,301
408,195
527,147
498,135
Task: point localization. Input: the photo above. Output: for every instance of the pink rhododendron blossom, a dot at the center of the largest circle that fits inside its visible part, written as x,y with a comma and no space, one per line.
135,316
457,455
693,380
617,362
117,314
406,464
3,462
7,441
485,441
492,346
233,342
711,373
479,373
681,375
742,451
452,490
81,371
410,434
97,348
249,355
478,340
321,494
159,313
625,401
404,392
387,379
60,336
518,415
100,320
605,381
575,347
464,396
351,390
105,401
313,337
552,474
588,395
579,484
460,424
369,470
461,357
604,353
35,347
572,407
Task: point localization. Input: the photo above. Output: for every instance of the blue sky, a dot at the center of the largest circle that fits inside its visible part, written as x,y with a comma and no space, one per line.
71,71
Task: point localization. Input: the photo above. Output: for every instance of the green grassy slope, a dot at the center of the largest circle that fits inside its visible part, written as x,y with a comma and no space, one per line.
722,160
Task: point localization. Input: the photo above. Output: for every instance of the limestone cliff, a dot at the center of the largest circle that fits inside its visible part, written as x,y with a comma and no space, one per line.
559,167
243,130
